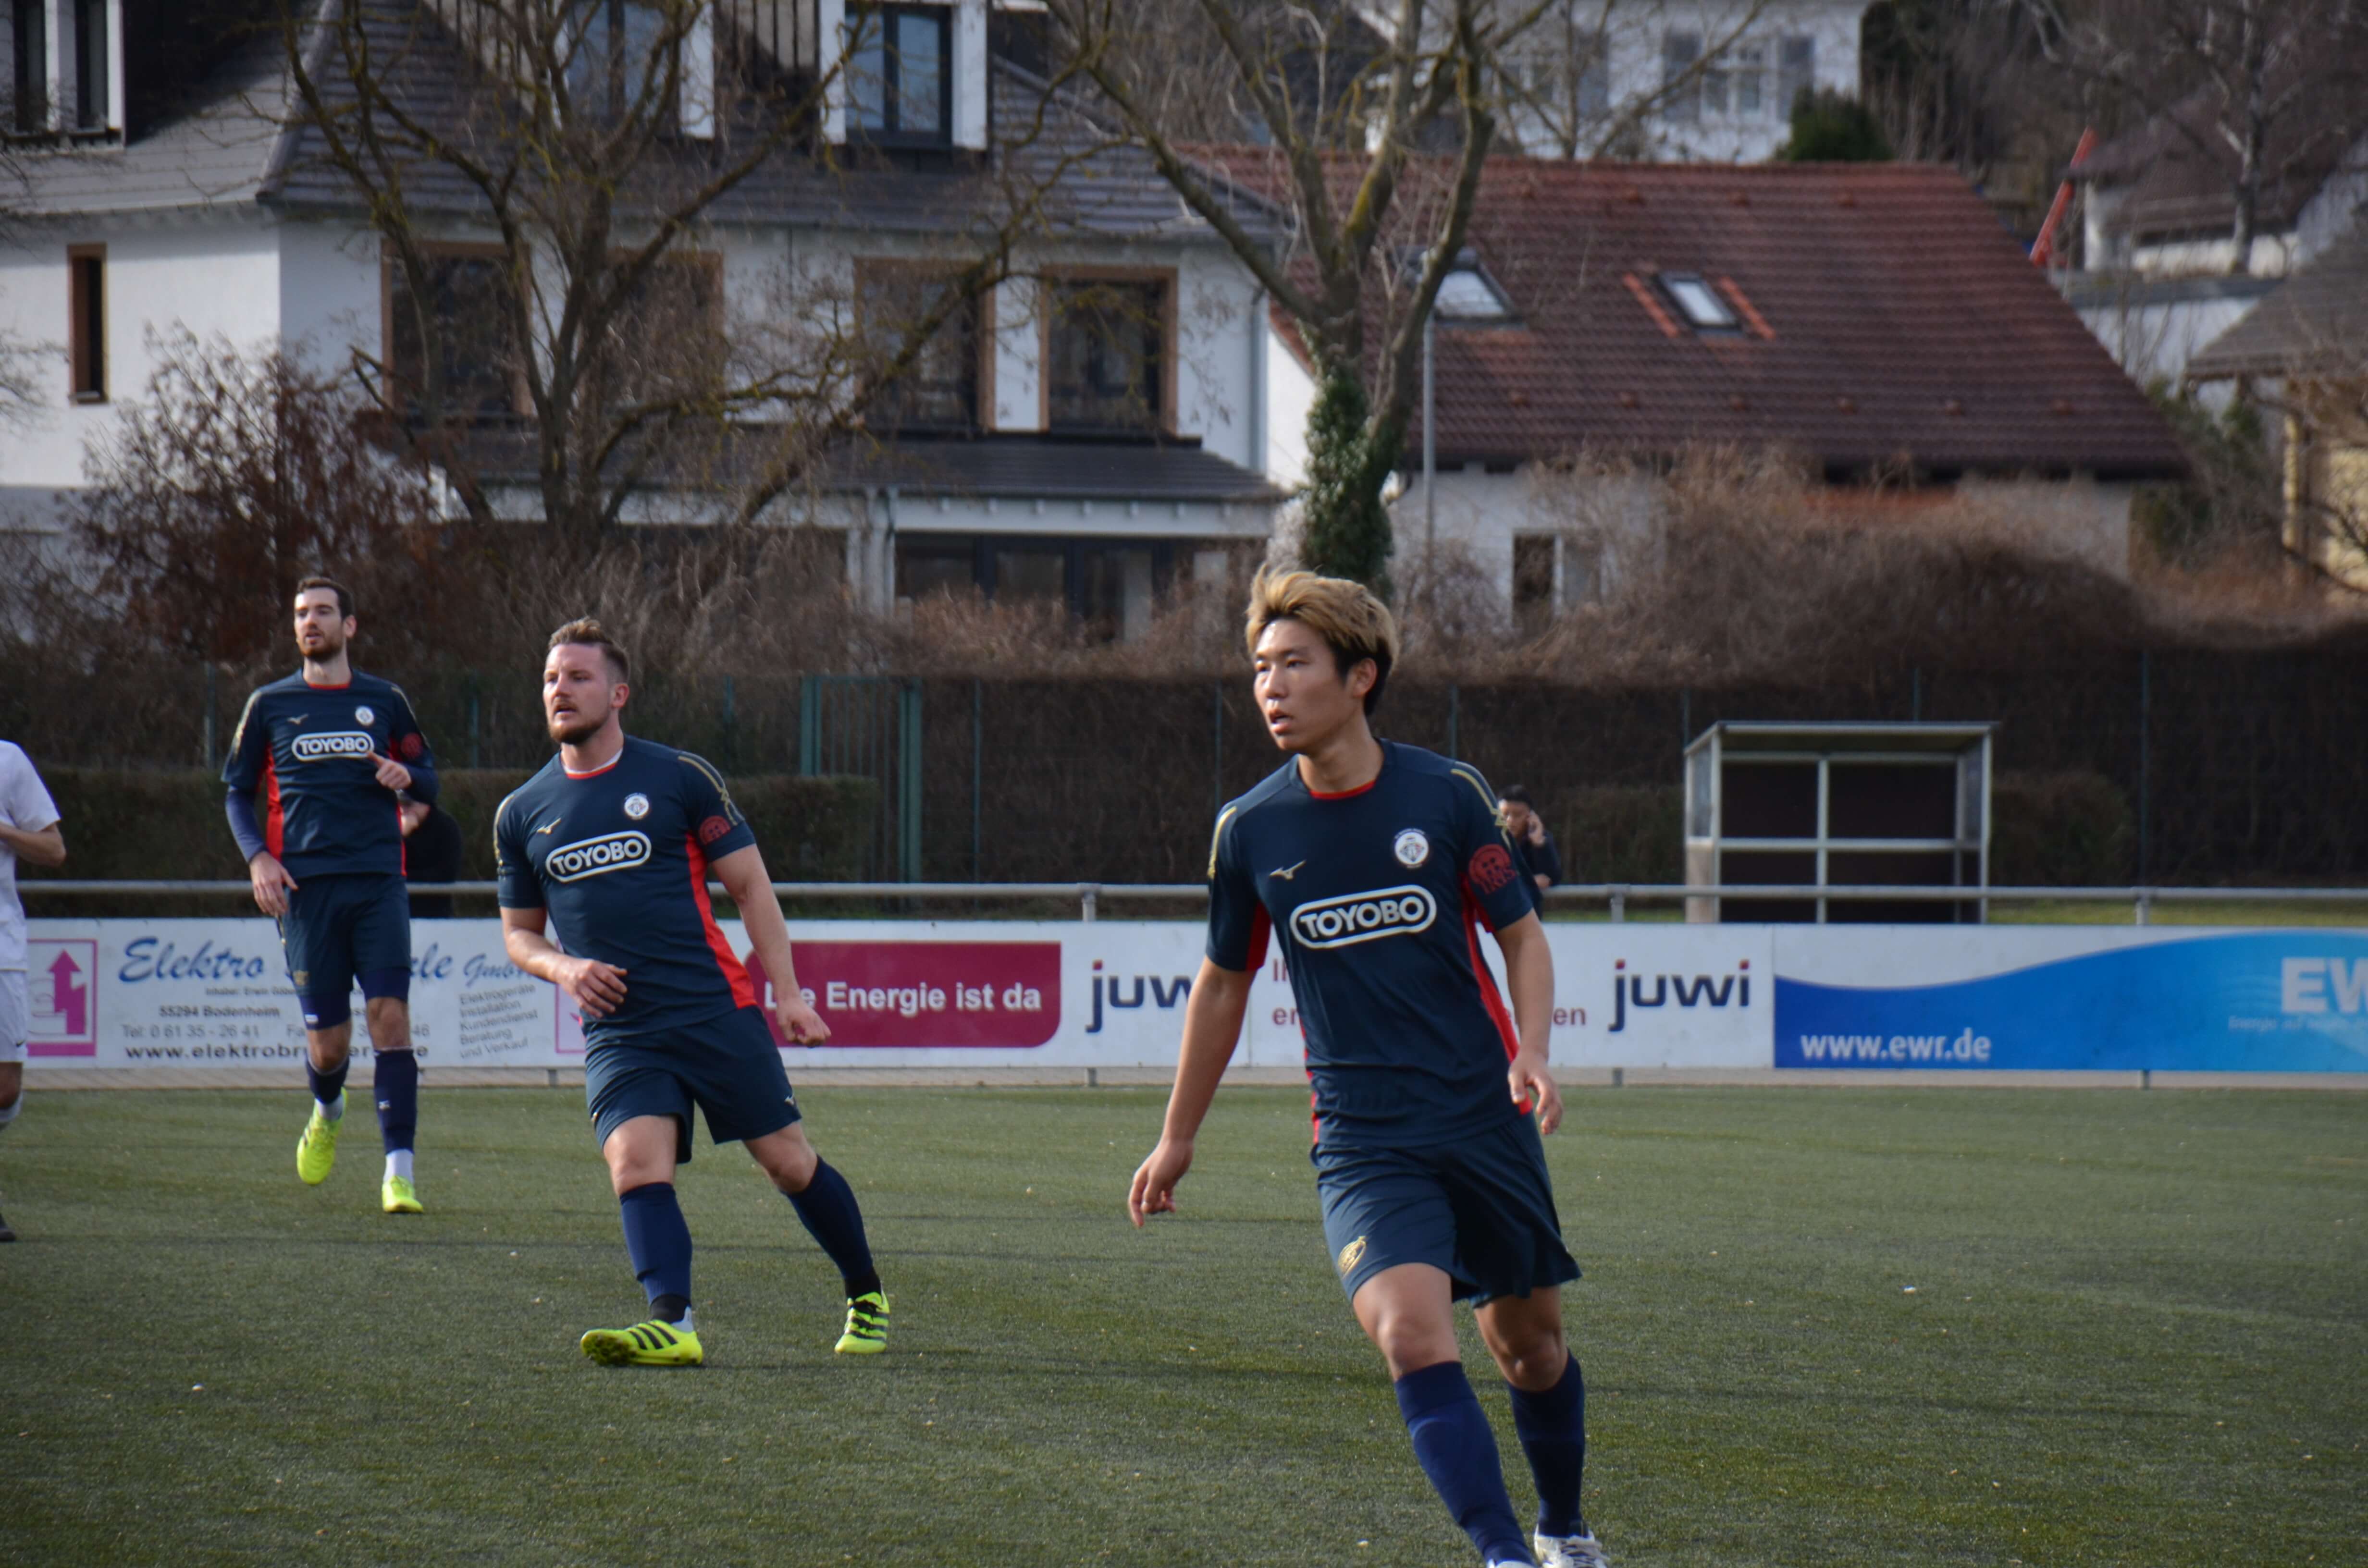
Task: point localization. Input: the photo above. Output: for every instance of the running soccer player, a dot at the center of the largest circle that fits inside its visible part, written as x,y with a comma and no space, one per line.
28,830
1378,862
615,840
327,748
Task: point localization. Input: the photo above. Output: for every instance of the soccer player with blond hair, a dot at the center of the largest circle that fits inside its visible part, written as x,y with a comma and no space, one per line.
614,843
1377,864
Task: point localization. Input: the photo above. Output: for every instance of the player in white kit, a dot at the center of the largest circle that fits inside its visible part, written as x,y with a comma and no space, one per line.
29,828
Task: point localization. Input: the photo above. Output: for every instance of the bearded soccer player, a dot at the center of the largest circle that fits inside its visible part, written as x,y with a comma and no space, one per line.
1375,864
325,750
615,840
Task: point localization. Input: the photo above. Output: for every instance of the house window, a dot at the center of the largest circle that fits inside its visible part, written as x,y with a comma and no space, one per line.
1533,582
1679,50
1747,77
1469,296
1796,70
616,60
940,389
86,307
1107,364
900,76
91,59
1548,72
28,41
1111,586
668,340
1698,302
477,349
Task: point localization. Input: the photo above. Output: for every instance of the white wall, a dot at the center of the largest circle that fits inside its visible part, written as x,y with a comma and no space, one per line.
214,275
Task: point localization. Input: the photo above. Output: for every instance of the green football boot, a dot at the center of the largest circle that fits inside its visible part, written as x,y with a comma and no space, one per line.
650,1344
317,1150
867,1326
397,1196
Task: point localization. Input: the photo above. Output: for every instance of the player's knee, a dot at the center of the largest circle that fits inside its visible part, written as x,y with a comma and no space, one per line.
790,1165
12,1100
1530,1355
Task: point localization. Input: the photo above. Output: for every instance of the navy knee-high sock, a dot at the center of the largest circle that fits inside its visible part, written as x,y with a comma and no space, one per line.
327,1086
1553,1425
660,1245
826,1208
1459,1453
397,1074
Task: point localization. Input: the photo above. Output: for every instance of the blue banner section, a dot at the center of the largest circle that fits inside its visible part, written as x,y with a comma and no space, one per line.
2255,1001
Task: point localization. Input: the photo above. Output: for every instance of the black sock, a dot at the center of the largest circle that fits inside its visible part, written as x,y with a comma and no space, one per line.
670,1309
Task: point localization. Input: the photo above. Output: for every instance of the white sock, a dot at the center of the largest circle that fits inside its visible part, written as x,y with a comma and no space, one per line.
333,1112
399,1164
686,1324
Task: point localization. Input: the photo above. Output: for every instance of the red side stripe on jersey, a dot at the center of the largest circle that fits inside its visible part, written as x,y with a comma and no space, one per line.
275,823
743,992
1489,999
1261,927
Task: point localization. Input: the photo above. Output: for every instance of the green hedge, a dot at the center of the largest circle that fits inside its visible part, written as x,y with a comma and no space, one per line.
169,825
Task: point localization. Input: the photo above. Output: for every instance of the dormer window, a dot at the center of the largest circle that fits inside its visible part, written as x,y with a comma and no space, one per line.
64,68
900,76
1467,295
1698,303
617,58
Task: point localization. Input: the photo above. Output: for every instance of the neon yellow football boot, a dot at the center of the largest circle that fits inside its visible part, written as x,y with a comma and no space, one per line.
867,1326
317,1150
650,1344
397,1196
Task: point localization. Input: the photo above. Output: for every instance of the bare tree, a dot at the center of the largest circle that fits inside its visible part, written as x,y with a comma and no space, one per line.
589,145
228,480
2259,90
1371,234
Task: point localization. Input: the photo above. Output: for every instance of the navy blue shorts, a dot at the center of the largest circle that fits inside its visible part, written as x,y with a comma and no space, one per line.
1480,1210
339,929
727,1065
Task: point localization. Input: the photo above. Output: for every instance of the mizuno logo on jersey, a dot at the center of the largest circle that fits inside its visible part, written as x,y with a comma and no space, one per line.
1362,916
335,744
591,856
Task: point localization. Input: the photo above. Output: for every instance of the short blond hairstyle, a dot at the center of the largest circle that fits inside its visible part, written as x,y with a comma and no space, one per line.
1354,623
587,633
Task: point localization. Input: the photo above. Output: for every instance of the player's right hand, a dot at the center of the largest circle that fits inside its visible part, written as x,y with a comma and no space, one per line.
599,988
1153,1191
272,883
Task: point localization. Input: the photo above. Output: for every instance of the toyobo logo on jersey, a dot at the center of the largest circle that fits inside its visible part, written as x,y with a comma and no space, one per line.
590,856
1361,917
337,743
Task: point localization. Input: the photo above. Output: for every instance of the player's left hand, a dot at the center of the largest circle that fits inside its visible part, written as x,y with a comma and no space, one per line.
1532,1085
799,1022
390,773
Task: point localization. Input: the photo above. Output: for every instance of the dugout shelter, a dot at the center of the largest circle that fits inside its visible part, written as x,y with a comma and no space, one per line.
1802,805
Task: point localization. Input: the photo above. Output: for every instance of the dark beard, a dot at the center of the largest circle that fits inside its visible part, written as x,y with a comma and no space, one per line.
576,732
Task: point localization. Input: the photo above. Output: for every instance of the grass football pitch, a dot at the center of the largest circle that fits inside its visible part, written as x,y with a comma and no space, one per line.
1818,1326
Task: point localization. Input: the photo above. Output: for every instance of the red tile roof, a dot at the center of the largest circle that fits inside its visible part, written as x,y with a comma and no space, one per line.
1883,313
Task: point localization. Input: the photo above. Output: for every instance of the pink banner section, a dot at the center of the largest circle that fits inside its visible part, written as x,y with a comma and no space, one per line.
992,996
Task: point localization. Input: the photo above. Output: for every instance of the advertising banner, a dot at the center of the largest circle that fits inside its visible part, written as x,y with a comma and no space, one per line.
2072,997
198,993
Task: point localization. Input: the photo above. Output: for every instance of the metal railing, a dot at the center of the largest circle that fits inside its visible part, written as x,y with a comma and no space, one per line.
1615,896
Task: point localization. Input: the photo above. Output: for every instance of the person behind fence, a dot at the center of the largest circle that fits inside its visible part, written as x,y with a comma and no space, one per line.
614,843
432,846
1375,865
29,830
326,751
1541,861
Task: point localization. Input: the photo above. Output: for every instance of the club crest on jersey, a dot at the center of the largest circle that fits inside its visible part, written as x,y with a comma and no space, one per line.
335,743
592,857
363,715
1412,847
637,805
1363,916
1350,1254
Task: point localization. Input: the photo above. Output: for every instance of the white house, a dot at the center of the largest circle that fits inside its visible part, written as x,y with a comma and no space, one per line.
1873,320
1092,430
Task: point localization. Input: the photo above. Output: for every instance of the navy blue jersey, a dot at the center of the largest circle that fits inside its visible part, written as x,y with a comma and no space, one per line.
620,858
305,751
1379,894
